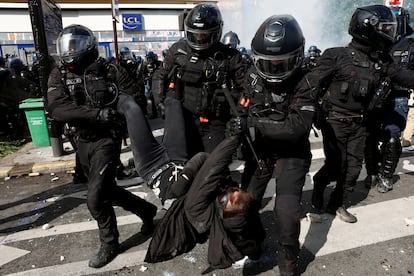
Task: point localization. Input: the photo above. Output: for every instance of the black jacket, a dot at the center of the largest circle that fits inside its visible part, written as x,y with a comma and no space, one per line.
281,113
69,103
349,76
196,217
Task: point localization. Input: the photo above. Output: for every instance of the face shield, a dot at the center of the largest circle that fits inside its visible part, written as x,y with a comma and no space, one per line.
201,39
277,68
387,29
70,46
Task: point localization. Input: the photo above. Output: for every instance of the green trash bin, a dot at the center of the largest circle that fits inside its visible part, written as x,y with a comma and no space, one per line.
36,120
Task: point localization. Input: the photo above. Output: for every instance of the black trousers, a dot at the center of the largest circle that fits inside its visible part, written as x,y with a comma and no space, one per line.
290,174
149,154
99,160
343,144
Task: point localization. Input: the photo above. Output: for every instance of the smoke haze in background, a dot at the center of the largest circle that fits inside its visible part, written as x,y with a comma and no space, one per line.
245,16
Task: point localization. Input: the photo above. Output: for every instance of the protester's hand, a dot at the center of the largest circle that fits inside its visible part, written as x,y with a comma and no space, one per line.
106,115
237,125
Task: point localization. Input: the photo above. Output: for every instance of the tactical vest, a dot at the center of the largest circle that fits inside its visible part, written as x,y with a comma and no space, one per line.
268,100
355,82
199,83
403,54
95,88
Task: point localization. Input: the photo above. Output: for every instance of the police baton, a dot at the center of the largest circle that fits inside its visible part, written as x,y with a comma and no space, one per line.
234,109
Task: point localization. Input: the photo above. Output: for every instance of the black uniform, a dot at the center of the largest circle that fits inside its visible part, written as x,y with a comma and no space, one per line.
282,115
387,123
198,79
354,72
281,111
78,103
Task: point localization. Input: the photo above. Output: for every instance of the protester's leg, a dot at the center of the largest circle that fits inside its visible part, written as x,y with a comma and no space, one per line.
149,155
174,131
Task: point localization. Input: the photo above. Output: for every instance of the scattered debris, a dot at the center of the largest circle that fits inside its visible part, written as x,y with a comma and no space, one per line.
7,178
62,258
52,199
409,221
189,258
56,178
46,226
143,268
34,174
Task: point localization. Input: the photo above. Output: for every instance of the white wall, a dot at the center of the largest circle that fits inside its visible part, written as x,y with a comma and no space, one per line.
18,20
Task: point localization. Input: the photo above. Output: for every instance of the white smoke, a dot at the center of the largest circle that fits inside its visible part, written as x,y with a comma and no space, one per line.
245,16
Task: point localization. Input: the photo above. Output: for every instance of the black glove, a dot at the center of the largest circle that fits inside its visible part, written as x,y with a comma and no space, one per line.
237,125
106,115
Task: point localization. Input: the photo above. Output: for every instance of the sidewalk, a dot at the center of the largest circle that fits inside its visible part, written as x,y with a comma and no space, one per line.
41,160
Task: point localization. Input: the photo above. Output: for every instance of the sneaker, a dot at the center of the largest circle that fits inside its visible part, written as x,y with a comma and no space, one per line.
384,184
104,256
148,225
346,216
370,181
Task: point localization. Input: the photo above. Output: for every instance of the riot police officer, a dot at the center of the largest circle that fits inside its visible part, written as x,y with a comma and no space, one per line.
353,80
387,123
84,91
150,66
134,67
281,111
313,54
199,70
231,40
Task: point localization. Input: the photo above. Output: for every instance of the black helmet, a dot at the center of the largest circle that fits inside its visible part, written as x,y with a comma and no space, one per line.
278,47
151,56
203,26
77,47
314,52
125,54
231,40
16,64
373,25
403,21
165,53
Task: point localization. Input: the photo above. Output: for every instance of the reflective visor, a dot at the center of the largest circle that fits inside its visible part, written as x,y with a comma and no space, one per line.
389,29
70,45
277,66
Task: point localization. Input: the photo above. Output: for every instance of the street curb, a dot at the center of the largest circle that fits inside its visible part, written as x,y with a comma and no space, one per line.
53,167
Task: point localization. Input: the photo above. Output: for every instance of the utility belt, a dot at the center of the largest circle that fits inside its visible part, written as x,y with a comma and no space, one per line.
343,117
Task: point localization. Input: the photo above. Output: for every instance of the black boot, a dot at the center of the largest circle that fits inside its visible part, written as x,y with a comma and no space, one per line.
104,256
384,184
287,260
148,226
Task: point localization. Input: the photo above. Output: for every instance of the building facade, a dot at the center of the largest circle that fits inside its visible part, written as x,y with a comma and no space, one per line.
141,25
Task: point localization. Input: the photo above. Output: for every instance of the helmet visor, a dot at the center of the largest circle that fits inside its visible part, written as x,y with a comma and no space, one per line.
201,39
388,29
69,46
277,67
